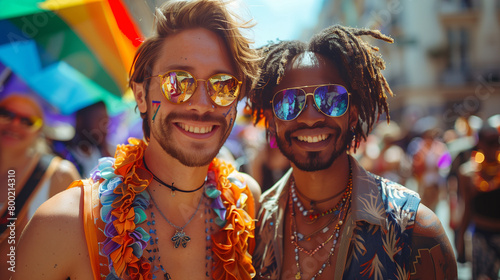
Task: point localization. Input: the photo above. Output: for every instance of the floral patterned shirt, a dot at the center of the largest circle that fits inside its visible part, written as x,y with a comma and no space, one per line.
379,227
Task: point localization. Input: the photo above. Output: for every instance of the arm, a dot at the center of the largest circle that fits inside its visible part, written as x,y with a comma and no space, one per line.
464,183
255,189
53,244
432,254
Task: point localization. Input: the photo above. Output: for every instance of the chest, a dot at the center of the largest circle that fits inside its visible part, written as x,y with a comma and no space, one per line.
181,250
310,250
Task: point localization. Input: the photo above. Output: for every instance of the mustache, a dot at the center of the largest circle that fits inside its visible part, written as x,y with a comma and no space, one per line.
210,117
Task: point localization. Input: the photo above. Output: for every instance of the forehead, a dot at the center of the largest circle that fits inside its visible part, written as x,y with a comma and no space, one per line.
22,107
199,51
310,69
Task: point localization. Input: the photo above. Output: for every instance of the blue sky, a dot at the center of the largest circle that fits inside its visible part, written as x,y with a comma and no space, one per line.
283,19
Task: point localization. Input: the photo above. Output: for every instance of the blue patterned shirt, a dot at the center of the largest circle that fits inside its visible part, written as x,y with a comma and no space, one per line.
379,227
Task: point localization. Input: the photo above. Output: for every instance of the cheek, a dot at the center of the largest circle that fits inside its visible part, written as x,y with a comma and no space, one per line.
28,137
230,114
153,108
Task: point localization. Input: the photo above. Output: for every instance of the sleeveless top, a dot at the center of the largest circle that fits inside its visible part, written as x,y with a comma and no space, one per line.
379,227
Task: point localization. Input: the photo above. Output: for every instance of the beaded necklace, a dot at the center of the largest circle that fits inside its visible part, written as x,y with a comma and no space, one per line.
312,213
154,251
294,236
180,237
314,216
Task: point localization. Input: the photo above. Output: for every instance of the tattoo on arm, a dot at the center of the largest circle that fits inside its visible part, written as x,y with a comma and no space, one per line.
432,255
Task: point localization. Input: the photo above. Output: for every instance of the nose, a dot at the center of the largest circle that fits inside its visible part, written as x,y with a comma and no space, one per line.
310,114
15,120
200,101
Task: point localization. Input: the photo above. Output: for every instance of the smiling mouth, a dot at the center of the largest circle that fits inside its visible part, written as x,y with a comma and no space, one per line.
196,129
313,139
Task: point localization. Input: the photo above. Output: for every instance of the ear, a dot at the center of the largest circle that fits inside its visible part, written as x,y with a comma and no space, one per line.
270,123
353,116
140,96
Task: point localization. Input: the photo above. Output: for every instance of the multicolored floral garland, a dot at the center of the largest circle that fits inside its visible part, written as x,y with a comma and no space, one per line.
122,184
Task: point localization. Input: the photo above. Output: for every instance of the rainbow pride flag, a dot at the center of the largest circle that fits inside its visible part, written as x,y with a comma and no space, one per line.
71,52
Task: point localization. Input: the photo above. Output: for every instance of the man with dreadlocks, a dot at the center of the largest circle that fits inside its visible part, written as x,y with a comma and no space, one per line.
328,217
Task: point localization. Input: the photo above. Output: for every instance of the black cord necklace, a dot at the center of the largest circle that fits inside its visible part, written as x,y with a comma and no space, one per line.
171,187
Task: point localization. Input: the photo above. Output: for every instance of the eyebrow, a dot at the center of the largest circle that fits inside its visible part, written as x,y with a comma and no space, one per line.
21,115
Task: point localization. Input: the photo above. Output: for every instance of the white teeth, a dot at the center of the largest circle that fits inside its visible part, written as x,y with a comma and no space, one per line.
196,129
312,139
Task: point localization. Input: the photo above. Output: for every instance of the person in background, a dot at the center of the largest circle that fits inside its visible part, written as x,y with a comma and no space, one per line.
163,207
461,142
327,217
29,172
90,140
269,165
382,155
430,163
479,178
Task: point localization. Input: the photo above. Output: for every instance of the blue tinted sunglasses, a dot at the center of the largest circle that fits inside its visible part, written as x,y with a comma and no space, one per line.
331,100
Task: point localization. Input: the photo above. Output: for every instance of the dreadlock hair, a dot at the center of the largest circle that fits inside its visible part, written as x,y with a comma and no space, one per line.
360,66
176,16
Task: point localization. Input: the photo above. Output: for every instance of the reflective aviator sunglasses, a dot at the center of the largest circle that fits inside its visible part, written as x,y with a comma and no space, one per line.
331,100
31,123
179,85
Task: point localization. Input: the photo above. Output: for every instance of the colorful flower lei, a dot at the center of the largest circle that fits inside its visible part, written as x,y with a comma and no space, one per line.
122,184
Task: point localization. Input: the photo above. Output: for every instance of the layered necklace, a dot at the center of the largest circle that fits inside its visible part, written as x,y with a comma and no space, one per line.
340,212
154,251
312,213
180,238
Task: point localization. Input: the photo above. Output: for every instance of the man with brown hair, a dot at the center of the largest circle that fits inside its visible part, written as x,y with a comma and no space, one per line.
163,208
327,217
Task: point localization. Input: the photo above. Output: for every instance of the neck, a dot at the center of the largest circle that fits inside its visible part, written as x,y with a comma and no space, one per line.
321,184
14,159
171,171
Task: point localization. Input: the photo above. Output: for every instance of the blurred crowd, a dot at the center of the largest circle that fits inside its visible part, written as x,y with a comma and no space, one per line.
460,166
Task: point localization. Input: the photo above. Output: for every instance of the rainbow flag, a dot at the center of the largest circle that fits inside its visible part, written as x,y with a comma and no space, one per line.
71,52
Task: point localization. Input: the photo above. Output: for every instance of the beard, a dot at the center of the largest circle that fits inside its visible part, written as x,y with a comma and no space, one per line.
314,161
193,154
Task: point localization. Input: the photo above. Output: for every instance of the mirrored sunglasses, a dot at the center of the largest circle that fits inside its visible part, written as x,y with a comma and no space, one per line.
331,100
179,85
32,122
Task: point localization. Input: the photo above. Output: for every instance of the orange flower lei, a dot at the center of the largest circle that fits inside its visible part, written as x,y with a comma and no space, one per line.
123,181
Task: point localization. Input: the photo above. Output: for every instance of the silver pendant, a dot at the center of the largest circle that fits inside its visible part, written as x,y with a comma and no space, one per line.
180,238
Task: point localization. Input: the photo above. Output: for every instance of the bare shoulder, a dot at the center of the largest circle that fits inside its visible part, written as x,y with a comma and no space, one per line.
254,188
432,253
68,169
63,176
53,243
